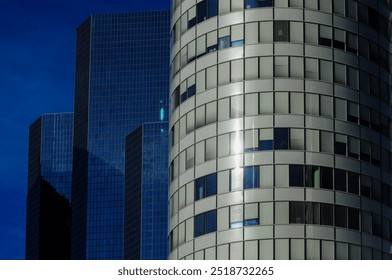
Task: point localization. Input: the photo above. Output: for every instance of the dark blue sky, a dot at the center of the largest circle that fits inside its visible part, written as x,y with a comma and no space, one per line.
37,58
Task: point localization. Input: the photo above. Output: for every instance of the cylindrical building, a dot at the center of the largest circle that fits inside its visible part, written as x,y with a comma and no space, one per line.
281,129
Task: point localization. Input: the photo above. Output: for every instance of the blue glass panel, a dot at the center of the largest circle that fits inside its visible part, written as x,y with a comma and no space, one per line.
210,221
251,222
266,3
184,97
237,43
199,188
191,91
266,145
224,42
281,138
251,177
212,8
296,175
199,225
211,184
248,4
191,23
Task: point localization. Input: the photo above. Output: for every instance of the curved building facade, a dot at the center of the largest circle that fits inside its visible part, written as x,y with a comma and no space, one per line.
280,129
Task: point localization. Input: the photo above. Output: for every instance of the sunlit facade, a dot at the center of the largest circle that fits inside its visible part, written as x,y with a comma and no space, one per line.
121,82
280,143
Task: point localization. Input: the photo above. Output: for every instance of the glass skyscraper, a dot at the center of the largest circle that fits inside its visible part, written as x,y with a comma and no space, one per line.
281,129
121,82
146,193
48,229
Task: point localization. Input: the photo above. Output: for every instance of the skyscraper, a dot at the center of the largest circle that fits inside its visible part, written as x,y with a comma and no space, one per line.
146,193
48,226
280,129
121,82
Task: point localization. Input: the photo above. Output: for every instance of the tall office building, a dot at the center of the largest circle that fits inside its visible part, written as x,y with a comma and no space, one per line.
280,129
146,193
48,226
122,81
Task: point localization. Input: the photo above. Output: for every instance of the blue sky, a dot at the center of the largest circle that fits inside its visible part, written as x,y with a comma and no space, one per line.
37,58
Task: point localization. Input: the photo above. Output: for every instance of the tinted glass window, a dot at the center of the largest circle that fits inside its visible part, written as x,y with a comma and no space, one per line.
281,138
326,214
340,216
211,184
210,221
296,175
281,31
297,212
251,177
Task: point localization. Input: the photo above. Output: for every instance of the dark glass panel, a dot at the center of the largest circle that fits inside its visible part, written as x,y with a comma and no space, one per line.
341,216
281,138
326,214
211,184
296,175
326,178
353,218
340,180
312,176
199,188
353,183
312,213
210,221
281,31
201,11
297,212
199,226
266,145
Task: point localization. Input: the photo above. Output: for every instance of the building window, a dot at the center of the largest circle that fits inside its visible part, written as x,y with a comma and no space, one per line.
353,183
325,36
251,177
224,42
340,144
312,176
205,186
340,180
245,223
281,31
266,139
201,11
296,175
297,212
281,138
341,216
205,223
248,4
326,214
353,218
326,178
212,8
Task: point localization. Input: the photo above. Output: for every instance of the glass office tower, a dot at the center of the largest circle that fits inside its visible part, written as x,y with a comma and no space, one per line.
146,193
48,226
280,129
121,82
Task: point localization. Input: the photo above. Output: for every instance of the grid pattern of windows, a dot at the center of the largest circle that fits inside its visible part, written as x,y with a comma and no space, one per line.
49,187
145,217
290,101
121,82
